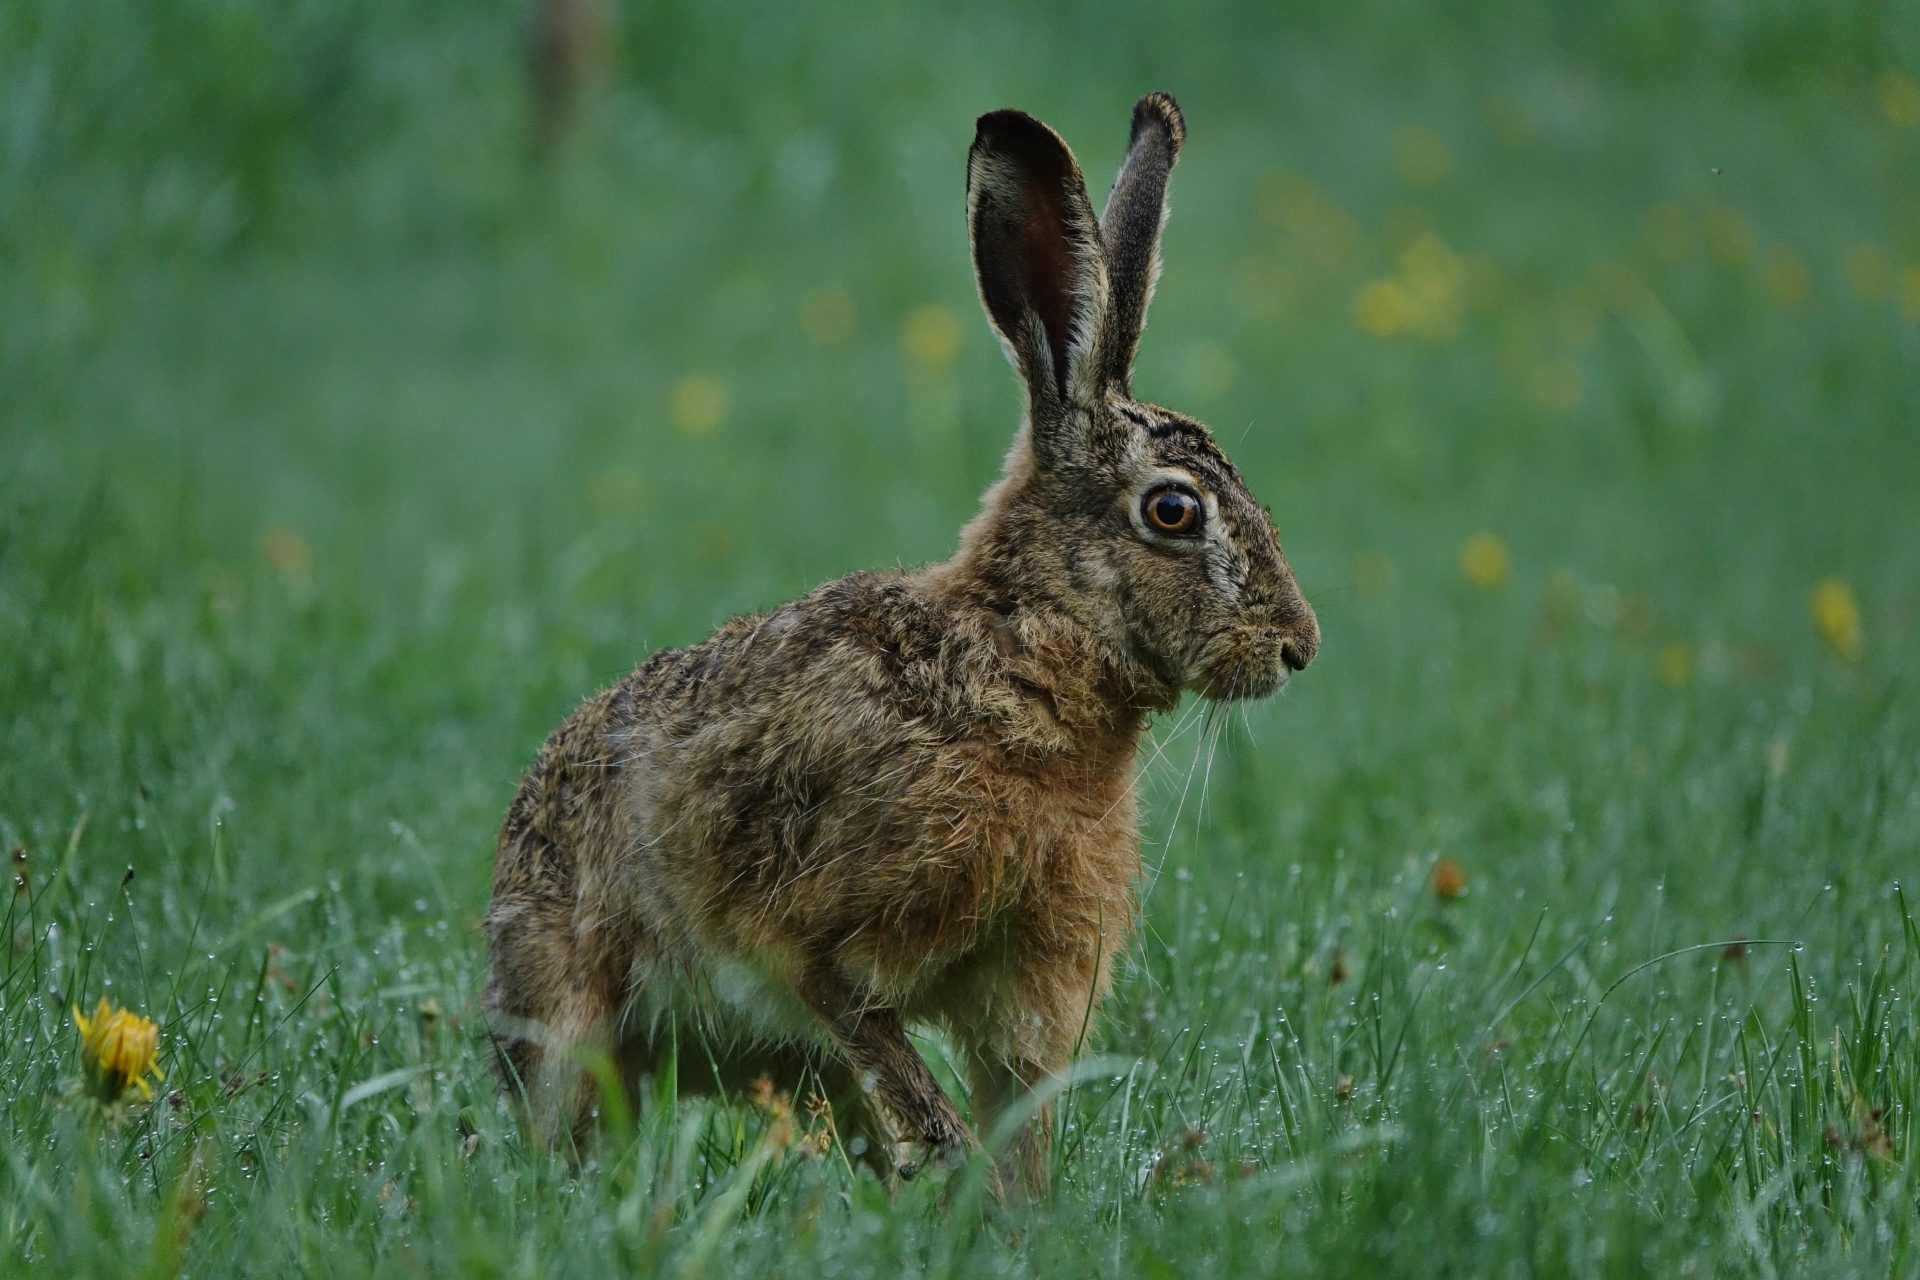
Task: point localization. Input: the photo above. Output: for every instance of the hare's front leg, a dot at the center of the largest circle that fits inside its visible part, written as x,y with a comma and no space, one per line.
919,1119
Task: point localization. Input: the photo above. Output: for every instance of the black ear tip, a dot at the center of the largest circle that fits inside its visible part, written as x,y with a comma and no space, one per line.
1158,109
1007,124
1016,138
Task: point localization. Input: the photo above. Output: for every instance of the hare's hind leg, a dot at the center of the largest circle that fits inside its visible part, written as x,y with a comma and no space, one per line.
1030,1043
998,1081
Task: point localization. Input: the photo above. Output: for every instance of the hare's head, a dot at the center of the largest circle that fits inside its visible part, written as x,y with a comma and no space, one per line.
1126,514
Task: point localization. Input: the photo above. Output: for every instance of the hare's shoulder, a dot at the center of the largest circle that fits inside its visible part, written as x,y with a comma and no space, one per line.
879,641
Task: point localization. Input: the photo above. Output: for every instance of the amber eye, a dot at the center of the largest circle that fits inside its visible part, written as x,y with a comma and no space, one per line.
1171,510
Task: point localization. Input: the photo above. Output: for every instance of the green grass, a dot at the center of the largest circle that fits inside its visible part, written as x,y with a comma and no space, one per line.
342,449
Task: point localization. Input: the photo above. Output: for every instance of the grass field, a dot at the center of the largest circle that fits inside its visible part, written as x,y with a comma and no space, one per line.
348,438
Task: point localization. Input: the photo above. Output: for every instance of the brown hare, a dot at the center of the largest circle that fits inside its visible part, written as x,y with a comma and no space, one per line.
909,797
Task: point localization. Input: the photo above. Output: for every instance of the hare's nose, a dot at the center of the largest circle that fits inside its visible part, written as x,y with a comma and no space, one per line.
1301,642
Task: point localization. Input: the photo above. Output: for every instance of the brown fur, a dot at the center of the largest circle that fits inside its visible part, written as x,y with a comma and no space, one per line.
909,797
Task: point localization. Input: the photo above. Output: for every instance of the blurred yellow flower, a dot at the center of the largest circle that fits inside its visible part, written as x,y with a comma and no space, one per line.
1899,97
1485,561
1435,274
1423,299
1674,665
1383,308
118,1049
699,404
1421,156
930,335
1786,277
1868,271
827,316
1837,614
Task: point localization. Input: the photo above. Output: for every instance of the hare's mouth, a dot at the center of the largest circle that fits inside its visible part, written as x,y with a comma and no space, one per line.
1248,686
1244,664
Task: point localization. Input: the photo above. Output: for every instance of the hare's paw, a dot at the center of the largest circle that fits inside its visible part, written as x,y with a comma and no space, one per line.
938,1153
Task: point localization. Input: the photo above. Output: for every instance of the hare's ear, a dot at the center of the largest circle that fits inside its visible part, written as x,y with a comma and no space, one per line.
1130,229
1037,256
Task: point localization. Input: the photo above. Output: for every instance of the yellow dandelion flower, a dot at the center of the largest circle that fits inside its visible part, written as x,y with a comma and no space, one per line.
1433,276
1899,97
1674,665
118,1049
1837,614
930,335
1421,157
1383,308
1485,560
699,404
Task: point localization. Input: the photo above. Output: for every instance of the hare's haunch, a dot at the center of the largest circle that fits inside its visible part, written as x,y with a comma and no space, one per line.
908,797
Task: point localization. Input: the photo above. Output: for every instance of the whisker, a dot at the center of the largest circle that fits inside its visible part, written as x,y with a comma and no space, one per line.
1173,827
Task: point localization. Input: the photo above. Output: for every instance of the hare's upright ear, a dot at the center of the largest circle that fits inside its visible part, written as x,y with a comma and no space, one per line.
1037,256
1130,229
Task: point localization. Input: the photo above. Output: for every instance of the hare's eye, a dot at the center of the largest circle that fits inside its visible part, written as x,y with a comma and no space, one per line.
1171,509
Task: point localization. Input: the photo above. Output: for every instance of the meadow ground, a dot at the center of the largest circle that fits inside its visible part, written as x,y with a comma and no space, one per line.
1559,920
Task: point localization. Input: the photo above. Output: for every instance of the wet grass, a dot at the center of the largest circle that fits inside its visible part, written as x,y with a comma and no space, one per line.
344,446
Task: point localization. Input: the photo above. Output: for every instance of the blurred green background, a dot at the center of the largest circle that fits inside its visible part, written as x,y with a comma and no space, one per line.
371,389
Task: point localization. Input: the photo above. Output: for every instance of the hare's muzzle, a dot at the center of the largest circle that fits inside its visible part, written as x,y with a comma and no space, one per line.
1255,661
1299,642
